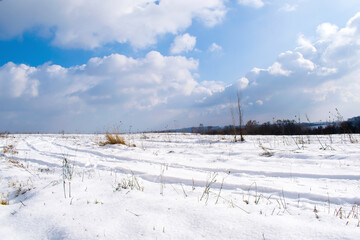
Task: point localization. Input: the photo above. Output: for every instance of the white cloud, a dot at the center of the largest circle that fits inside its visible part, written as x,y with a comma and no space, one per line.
318,76
210,87
277,69
252,3
326,30
113,88
341,46
321,73
334,92
90,24
288,8
295,61
287,63
183,43
16,81
242,83
306,47
325,71
215,48
145,82
140,83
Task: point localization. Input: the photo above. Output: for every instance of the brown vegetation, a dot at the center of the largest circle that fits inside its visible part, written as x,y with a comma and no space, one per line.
4,202
113,138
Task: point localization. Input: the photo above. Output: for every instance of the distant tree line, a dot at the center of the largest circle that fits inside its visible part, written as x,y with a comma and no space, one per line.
284,127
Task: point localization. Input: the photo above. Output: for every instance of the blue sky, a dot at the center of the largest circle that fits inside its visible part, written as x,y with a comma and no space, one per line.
85,66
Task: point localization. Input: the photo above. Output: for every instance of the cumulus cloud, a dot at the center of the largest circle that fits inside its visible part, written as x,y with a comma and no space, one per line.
183,43
341,46
321,73
140,83
210,87
295,61
305,46
90,24
317,76
287,63
116,86
277,69
16,81
242,83
326,30
252,3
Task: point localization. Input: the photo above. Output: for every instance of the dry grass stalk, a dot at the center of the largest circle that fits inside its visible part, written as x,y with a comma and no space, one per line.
10,149
211,179
266,151
68,171
113,139
222,183
4,202
130,183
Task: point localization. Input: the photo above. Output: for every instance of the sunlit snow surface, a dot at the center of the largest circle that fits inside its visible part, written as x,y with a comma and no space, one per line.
268,187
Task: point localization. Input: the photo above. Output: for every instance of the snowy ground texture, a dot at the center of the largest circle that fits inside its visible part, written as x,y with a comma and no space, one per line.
179,186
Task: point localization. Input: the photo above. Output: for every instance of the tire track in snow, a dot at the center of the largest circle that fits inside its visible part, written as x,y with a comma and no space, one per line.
105,162
236,172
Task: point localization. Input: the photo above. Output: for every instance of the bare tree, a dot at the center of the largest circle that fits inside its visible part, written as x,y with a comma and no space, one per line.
240,113
233,121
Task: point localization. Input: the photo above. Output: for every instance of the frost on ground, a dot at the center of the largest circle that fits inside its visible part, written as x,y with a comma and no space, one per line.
179,186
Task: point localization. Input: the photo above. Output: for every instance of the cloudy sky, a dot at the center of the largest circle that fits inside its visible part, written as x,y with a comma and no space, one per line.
85,66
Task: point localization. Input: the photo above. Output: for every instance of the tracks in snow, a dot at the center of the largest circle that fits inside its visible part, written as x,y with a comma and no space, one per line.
189,160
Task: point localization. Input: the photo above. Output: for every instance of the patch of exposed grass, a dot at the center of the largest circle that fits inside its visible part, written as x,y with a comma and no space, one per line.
16,163
113,138
4,202
10,149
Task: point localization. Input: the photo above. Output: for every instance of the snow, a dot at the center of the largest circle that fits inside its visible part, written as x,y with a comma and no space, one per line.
268,187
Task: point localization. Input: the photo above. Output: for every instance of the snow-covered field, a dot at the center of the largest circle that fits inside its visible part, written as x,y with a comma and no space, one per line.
179,186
